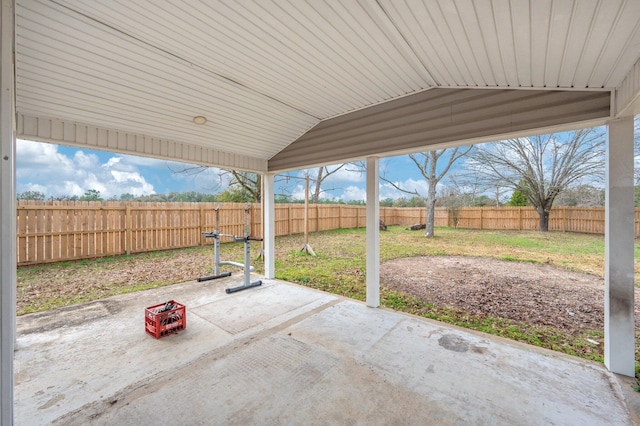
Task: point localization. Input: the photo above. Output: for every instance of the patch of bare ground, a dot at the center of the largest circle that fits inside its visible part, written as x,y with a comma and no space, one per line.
536,294
59,285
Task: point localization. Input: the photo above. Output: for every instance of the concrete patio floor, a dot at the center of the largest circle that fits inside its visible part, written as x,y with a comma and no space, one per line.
286,354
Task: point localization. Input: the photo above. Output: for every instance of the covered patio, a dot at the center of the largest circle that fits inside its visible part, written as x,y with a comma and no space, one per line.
286,354
275,86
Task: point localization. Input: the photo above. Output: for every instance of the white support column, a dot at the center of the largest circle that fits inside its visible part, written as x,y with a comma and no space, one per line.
619,325
373,232
7,211
269,226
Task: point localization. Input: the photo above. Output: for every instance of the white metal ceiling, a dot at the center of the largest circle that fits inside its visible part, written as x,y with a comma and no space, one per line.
541,43
265,72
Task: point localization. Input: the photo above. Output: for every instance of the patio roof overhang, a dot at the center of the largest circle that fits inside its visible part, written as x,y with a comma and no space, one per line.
286,85
283,84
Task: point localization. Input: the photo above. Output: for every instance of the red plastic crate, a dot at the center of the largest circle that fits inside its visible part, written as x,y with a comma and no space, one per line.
160,324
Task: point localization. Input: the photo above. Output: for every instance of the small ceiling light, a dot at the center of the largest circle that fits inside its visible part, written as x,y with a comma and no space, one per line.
199,119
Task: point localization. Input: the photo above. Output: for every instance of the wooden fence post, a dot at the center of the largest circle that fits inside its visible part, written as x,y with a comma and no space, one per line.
481,226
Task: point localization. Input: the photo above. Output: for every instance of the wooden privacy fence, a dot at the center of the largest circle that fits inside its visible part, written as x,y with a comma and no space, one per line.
54,231
587,220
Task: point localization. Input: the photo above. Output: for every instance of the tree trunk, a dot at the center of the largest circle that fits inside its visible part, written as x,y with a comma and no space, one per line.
431,211
316,192
544,219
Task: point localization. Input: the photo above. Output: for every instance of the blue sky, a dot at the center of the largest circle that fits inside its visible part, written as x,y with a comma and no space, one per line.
57,170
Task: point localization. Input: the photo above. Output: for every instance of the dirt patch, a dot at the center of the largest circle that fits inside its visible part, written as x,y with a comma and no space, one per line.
58,285
536,294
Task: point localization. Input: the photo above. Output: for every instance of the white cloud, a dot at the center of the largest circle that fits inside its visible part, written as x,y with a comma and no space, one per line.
137,184
354,193
40,167
332,185
36,154
35,188
85,161
121,177
348,173
113,162
297,193
67,188
388,191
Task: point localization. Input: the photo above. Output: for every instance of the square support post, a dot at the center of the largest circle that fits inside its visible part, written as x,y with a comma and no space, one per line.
269,226
373,232
7,210
619,324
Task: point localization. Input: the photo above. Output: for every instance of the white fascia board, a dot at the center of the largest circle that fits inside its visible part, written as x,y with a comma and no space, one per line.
44,129
627,96
463,142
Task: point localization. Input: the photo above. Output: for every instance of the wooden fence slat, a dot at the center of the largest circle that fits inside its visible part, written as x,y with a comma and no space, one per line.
31,228
47,241
91,226
21,228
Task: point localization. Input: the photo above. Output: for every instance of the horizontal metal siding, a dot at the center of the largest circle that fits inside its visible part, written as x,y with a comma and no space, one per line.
68,133
535,43
264,73
74,68
438,116
621,45
318,57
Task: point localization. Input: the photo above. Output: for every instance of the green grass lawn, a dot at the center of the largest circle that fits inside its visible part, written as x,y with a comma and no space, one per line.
340,264
339,268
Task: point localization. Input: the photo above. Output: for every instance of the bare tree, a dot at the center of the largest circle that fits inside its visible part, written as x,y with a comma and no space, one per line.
247,182
427,163
581,195
542,166
240,186
247,186
321,174
195,170
317,178
468,185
